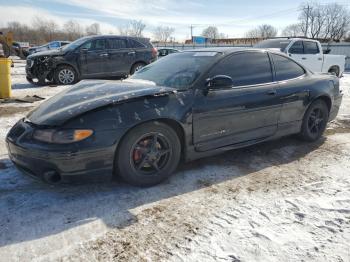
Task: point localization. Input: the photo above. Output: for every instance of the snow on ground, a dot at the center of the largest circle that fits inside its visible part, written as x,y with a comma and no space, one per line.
284,200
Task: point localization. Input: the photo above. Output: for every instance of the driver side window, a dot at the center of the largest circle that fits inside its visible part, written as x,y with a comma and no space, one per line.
297,48
98,44
87,45
248,68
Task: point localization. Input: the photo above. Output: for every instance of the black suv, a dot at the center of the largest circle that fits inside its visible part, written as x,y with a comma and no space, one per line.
90,57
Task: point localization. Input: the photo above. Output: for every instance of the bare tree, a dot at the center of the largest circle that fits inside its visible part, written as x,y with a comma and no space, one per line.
292,30
47,29
73,30
163,33
93,29
262,31
329,21
133,28
337,22
211,32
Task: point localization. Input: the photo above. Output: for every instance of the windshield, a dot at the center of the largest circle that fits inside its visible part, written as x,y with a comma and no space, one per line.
179,70
281,44
75,44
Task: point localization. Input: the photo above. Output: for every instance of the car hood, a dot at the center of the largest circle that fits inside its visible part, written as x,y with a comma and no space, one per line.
89,95
54,52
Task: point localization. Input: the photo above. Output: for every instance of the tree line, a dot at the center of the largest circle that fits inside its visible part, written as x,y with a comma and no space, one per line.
43,30
321,21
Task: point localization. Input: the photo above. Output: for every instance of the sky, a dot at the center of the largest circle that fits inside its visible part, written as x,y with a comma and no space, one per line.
233,18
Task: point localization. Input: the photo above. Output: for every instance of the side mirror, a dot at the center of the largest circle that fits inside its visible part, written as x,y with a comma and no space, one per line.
327,51
220,82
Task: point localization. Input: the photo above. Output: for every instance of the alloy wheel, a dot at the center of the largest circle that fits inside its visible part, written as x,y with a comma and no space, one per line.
150,154
315,121
66,76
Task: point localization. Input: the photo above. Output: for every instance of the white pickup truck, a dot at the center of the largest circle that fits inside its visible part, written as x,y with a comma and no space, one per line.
308,53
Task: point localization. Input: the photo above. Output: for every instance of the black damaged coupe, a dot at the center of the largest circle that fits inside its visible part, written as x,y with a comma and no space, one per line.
182,107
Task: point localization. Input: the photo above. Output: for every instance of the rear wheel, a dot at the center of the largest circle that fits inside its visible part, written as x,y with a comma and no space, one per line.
315,121
136,67
148,154
65,75
334,70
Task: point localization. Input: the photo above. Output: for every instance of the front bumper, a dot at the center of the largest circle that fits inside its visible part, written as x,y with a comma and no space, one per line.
335,107
35,159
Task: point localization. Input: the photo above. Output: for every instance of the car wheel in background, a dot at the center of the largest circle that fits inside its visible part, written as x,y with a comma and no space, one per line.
315,121
148,154
136,67
334,70
65,75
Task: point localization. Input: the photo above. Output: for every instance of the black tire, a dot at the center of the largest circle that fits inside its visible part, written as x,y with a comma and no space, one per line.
39,82
334,70
65,75
148,154
315,121
136,67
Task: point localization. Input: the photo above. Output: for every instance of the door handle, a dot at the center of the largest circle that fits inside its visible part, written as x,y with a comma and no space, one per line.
131,53
272,92
304,58
104,55
320,59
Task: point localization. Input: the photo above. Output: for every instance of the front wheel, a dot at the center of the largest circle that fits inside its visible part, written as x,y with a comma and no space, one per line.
65,75
37,82
148,154
314,121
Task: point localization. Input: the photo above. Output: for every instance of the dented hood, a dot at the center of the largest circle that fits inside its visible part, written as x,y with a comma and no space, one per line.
89,95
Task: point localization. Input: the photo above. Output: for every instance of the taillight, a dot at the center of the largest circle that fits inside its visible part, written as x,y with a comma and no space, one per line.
154,52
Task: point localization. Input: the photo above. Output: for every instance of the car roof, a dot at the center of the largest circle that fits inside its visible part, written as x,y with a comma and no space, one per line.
117,36
167,48
292,38
226,50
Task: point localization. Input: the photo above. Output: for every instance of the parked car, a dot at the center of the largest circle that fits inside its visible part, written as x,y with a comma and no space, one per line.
49,46
91,57
309,53
184,106
166,51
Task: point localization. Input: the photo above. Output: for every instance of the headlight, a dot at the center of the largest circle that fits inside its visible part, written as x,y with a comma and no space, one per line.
30,63
62,136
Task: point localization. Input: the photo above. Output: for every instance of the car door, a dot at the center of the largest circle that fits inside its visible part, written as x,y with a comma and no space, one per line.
291,91
313,57
93,58
120,56
247,111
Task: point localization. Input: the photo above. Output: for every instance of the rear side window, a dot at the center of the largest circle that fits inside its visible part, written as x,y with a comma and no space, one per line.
297,48
248,68
311,47
286,68
136,44
116,43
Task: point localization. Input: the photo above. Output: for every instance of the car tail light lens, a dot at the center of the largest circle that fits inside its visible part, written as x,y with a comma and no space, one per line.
154,52
62,136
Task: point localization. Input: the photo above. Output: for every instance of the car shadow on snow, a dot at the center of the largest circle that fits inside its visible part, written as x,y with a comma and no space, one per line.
32,210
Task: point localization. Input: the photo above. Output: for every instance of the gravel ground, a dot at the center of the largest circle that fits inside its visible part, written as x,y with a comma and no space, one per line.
282,200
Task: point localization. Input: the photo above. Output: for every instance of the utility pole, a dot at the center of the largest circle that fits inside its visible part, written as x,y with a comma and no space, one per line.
307,20
191,32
